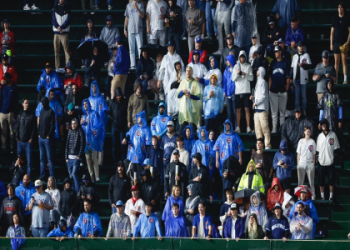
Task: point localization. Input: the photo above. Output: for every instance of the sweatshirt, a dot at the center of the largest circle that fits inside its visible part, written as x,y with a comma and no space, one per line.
122,62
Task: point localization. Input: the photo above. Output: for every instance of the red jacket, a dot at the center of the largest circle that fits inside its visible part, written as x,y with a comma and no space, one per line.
203,56
75,79
12,41
10,69
272,196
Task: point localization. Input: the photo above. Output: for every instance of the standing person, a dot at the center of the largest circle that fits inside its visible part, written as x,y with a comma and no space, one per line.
75,97
175,197
257,208
306,160
285,11
173,20
46,134
272,33
283,163
61,26
242,75
184,154
93,67
323,71
110,32
262,161
194,22
87,190
150,190
234,224
117,114
230,49
134,207
66,120
171,179
301,63
89,32
55,194
301,225
176,225
7,38
327,143
25,127
121,67
340,39
71,77
24,191
199,70
168,144
160,122
156,12
17,171
222,21
110,76
137,103
119,218
251,179
155,156
202,225
40,204
173,102
147,224
279,80
277,227
49,79
188,134
229,88
203,54
144,70
260,100
74,151
294,35
133,29
213,69
275,194
68,203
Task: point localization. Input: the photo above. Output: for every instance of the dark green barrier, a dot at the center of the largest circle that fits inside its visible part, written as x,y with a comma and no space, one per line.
173,244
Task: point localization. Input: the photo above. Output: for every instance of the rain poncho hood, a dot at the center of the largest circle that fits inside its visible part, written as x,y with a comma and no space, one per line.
203,147
228,85
167,212
176,226
214,104
231,59
213,70
274,196
53,80
286,199
140,138
191,141
257,182
287,158
159,123
59,233
173,101
259,210
88,223
98,102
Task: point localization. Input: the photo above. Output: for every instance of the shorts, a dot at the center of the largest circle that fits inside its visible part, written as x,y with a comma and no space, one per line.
286,183
242,101
328,171
336,49
118,81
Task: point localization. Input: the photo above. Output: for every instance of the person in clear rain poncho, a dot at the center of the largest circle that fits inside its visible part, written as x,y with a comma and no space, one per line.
213,69
222,21
175,79
190,95
286,10
258,208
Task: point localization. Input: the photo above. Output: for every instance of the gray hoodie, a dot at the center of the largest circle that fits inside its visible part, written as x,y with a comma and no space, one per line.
119,226
261,92
108,35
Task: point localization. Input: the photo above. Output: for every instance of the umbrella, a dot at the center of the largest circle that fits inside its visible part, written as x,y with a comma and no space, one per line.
247,193
153,49
85,49
302,188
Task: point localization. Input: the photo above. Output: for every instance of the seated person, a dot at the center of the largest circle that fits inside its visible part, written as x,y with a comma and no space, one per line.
144,70
251,179
253,230
71,77
257,207
301,225
234,222
61,232
274,194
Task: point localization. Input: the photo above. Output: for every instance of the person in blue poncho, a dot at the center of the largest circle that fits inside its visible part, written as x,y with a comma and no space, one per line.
88,223
285,10
94,128
173,198
190,140
17,233
175,225
202,225
61,232
229,143
139,139
159,122
309,209
24,191
49,79
55,106
229,87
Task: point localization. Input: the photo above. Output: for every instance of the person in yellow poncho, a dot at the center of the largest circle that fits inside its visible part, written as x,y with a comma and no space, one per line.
251,179
190,95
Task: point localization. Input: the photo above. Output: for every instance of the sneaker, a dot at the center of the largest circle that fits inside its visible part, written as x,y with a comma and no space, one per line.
345,82
156,97
267,148
331,199
34,7
161,96
208,38
184,38
82,67
92,13
110,7
249,130
133,68
274,131
238,130
217,52
97,179
107,98
322,199
26,7
313,198
304,113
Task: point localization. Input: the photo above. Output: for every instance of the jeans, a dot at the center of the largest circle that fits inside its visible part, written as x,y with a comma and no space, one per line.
73,167
108,2
300,88
39,232
46,154
212,124
278,104
231,109
117,147
174,36
210,16
135,43
183,27
108,86
26,147
144,84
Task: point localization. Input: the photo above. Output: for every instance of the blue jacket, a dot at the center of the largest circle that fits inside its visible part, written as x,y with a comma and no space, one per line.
239,227
55,106
204,147
287,10
61,17
313,213
58,233
25,194
167,212
207,221
94,128
98,102
277,228
227,145
3,192
147,226
176,227
88,223
287,158
122,62
50,81
294,35
168,145
229,86
9,99
279,72
155,156
189,142
139,139
159,123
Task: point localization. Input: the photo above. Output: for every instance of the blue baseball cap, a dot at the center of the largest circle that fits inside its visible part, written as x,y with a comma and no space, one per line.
117,39
119,203
170,43
147,161
198,39
6,21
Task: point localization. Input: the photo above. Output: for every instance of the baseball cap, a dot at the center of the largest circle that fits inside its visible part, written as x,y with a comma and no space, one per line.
254,35
147,161
89,21
71,107
271,22
278,48
300,43
6,21
170,123
198,39
229,36
280,40
297,110
134,188
117,39
325,54
48,65
233,206
119,203
4,56
277,205
176,152
195,52
170,43
294,19
38,183
109,18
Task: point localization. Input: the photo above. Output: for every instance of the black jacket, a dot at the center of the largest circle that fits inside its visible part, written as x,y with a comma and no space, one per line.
86,190
68,202
17,173
75,144
234,169
150,190
276,33
46,120
225,52
25,126
119,189
10,207
145,66
94,70
202,188
175,23
117,111
170,177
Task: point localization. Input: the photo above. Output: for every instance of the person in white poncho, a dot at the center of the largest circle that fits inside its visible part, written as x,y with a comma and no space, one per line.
213,69
175,79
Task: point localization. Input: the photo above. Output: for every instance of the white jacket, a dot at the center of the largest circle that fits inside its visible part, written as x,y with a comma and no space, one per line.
304,75
139,206
261,92
242,82
168,67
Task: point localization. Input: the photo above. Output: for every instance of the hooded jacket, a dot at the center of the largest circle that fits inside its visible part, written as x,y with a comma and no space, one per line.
287,158
170,174
259,210
17,173
159,123
75,78
139,138
68,202
261,92
88,224
9,207
253,178
75,142
150,190
239,227
242,82
94,70
119,188
189,142
144,65
25,126
93,127
229,86
136,105
122,62
213,70
260,61
294,35
97,101
204,187
109,34
234,169
166,72
117,111
274,196
204,147
59,233
191,203
259,234
47,124
167,212
198,69
25,194
51,81
215,104
175,23
225,52
227,145
61,18
119,226
9,99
